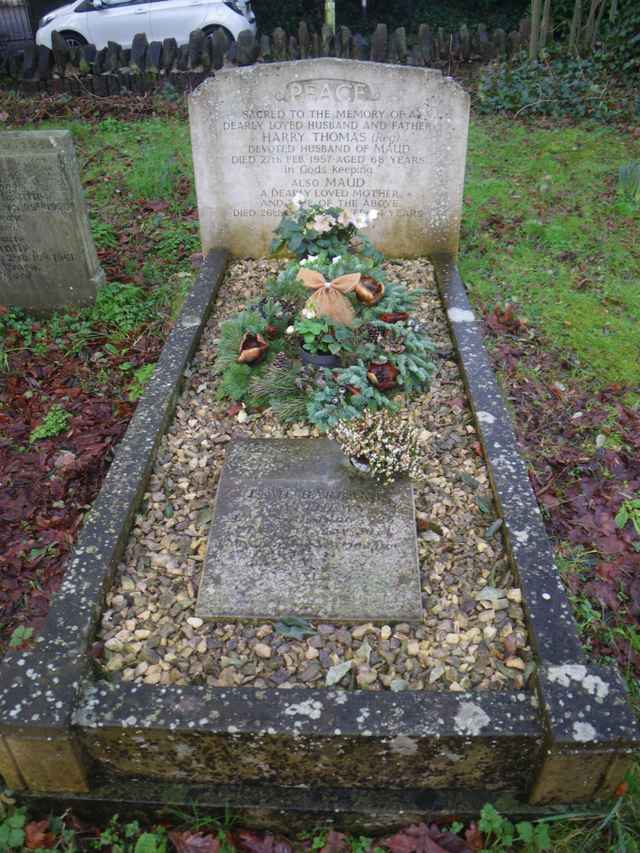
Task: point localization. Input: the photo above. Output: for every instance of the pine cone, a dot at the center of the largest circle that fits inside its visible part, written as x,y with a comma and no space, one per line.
281,361
288,308
372,334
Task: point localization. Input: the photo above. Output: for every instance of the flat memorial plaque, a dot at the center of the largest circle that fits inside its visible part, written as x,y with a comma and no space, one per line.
298,532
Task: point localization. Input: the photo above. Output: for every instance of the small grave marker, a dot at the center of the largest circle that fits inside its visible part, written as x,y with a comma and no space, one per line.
357,135
297,531
47,257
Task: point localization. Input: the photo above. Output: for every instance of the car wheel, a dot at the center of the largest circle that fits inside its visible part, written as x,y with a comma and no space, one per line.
74,39
209,31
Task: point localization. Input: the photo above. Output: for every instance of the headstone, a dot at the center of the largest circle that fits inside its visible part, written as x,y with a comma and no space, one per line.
358,135
47,257
297,531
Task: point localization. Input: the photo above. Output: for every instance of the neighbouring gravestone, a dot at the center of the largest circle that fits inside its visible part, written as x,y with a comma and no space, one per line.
358,135
298,532
47,257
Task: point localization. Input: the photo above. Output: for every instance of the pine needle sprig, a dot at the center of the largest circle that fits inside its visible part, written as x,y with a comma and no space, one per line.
276,383
290,409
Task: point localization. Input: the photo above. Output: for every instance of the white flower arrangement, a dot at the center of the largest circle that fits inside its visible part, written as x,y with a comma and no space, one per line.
381,443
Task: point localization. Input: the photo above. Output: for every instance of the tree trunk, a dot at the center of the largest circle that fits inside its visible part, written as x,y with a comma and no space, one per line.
546,20
589,27
576,23
534,39
597,26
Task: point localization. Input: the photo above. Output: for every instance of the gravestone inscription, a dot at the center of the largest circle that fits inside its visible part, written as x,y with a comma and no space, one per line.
47,256
357,135
298,531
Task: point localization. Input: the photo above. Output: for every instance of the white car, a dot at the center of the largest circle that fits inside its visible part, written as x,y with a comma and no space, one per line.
99,21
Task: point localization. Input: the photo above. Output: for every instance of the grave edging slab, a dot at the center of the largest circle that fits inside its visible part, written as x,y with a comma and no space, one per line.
38,750
589,747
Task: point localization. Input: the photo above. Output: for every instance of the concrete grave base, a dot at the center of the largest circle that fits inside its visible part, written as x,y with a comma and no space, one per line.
366,760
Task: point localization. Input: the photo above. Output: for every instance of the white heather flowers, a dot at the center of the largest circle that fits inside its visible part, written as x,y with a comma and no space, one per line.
360,220
322,223
382,441
308,260
308,313
289,330
373,215
345,218
297,201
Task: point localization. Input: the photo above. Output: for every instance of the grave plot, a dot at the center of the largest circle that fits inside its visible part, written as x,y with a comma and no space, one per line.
145,701
472,632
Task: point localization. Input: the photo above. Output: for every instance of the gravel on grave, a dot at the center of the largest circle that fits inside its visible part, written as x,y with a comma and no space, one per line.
473,635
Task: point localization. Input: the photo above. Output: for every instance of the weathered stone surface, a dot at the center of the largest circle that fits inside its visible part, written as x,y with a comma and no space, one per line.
8,768
308,737
139,52
47,257
353,134
297,531
49,763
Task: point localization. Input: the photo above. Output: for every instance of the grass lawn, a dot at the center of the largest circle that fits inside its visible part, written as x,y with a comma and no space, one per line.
545,228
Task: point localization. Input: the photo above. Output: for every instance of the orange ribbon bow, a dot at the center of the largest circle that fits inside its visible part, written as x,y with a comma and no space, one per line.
329,300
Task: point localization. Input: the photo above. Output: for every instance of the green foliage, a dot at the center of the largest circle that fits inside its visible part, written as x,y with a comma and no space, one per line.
629,180
294,627
180,239
55,421
103,234
290,409
556,85
128,838
501,834
309,230
333,266
20,635
231,333
629,511
344,394
140,378
621,42
235,381
320,336
448,15
276,384
12,835
569,275
408,351
151,842
287,286
123,307
158,158
396,298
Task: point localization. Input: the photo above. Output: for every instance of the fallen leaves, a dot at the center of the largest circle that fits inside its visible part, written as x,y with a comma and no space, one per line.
38,836
194,842
46,486
421,838
584,451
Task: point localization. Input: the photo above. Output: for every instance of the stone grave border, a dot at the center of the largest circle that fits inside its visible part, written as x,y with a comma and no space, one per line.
362,758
